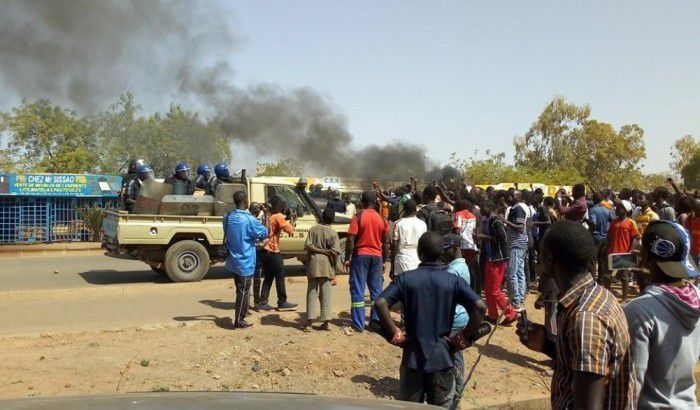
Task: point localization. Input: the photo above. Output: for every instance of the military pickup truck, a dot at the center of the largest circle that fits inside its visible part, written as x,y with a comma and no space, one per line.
183,241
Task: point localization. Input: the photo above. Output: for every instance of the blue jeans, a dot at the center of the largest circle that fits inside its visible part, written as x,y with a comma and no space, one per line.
458,359
517,285
364,271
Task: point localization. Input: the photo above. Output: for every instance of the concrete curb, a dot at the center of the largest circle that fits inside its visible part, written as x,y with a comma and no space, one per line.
51,249
97,291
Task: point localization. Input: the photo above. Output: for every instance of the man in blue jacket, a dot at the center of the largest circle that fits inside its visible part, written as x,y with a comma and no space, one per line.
242,230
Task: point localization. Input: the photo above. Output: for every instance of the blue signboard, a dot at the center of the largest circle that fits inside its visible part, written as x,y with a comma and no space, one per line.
79,185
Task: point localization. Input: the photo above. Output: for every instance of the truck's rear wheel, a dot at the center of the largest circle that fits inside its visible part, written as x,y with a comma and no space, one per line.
186,261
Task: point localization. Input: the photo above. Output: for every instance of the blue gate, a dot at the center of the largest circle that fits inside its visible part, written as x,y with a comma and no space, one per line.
33,213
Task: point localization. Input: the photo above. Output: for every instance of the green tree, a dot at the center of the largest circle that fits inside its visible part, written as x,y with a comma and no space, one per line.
44,137
282,168
691,172
493,169
162,140
7,163
489,170
564,142
548,143
651,181
682,151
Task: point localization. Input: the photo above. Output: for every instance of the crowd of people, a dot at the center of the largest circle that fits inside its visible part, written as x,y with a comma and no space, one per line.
447,245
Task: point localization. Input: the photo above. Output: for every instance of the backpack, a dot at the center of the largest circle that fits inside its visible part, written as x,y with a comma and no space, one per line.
437,220
441,222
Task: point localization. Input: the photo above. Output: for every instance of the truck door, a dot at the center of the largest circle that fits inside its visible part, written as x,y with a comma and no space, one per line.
305,220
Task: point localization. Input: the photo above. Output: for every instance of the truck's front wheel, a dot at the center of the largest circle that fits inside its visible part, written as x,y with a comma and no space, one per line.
187,261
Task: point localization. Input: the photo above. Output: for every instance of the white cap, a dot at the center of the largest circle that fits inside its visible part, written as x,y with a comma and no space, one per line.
627,204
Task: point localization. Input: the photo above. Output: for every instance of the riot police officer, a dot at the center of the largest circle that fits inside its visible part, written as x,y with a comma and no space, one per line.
132,190
180,180
203,176
222,176
131,175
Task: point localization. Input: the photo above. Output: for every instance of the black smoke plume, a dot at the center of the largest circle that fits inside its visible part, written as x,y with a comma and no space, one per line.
85,53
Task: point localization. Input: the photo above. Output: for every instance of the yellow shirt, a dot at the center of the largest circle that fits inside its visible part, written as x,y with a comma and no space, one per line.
645,219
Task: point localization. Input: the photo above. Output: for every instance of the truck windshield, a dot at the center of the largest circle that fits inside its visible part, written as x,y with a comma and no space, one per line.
291,197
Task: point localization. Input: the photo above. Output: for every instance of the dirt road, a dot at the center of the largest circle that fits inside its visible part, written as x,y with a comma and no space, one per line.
205,354
101,326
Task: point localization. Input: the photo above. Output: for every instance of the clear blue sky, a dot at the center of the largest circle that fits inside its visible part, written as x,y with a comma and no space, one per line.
460,76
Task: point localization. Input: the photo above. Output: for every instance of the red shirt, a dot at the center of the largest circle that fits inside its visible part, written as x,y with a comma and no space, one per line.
369,233
621,234
692,224
462,216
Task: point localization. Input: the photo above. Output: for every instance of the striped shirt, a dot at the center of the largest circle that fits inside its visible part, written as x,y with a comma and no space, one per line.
593,337
517,237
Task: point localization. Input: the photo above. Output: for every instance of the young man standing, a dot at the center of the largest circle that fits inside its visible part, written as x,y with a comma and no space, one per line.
366,247
599,217
495,247
578,210
593,366
465,226
350,209
664,321
404,241
621,239
323,248
516,228
456,265
661,206
256,210
646,214
242,231
428,296
273,263
692,225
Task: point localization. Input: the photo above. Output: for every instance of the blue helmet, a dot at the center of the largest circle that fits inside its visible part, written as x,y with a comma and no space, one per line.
182,166
221,170
145,171
203,169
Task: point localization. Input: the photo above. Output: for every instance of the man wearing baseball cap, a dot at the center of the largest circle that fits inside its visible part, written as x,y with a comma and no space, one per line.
664,322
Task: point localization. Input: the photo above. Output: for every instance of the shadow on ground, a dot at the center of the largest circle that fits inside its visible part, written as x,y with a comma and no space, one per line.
222,322
275,319
114,277
218,304
147,275
499,353
386,387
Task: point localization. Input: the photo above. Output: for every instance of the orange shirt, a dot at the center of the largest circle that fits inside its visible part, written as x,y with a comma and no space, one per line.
607,204
385,209
278,224
621,234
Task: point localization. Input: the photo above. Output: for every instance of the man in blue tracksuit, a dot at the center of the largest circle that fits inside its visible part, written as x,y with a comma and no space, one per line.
242,231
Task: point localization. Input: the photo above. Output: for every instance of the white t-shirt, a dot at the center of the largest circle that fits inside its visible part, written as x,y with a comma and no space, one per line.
407,231
350,210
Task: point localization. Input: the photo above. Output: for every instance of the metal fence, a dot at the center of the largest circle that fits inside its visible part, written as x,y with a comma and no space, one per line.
26,219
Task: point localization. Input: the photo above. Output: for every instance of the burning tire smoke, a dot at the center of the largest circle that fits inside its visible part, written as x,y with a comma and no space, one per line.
86,53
